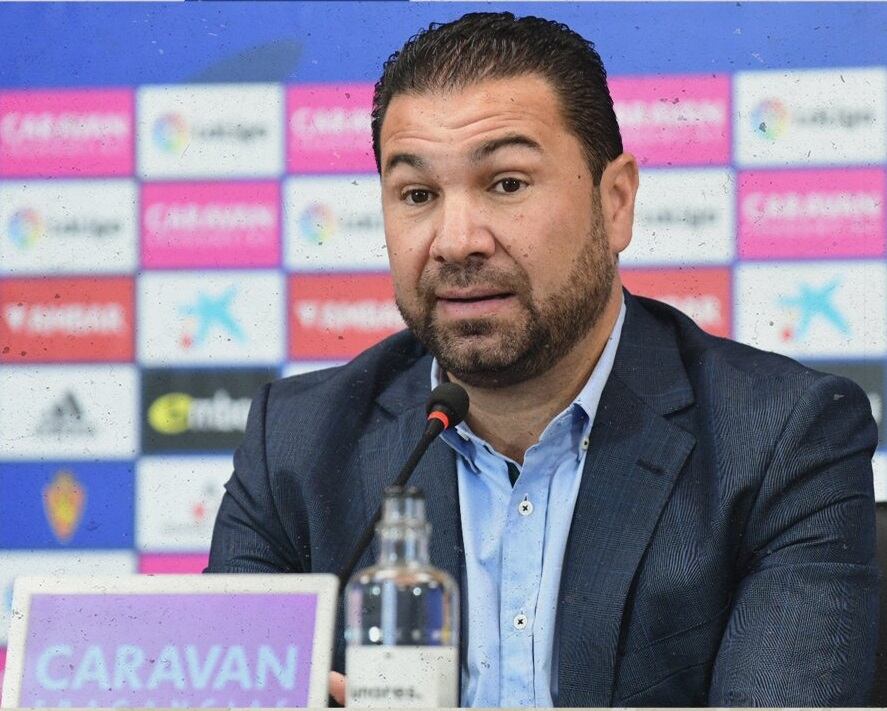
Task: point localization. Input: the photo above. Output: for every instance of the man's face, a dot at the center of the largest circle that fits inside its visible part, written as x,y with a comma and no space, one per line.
494,231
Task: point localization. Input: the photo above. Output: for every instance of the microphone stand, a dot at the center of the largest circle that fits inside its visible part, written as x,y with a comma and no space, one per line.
432,430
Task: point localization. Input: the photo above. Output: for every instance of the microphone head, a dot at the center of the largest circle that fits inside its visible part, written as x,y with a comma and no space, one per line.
451,400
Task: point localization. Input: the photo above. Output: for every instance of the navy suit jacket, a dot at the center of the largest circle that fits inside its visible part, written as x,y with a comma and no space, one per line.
722,546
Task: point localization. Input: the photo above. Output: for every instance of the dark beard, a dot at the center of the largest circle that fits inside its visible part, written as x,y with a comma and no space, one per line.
548,332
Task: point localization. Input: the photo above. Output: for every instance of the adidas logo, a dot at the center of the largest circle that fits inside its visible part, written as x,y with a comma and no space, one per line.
65,418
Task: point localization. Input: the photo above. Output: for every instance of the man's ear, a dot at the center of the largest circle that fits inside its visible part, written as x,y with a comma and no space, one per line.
619,186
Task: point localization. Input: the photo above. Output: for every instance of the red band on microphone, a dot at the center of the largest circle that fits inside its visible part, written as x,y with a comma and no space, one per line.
438,415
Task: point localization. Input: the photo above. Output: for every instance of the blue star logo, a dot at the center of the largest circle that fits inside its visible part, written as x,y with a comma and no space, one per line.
813,302
211,311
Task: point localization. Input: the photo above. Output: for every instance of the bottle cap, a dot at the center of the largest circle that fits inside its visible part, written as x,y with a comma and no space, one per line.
403,505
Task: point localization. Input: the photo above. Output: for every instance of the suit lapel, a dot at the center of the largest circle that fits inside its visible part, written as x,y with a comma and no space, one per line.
634,457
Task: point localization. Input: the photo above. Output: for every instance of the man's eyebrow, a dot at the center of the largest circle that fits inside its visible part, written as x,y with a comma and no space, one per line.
410,159
478,154
490,147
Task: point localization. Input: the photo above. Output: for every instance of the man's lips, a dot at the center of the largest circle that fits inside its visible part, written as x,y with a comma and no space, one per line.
473,303
472,294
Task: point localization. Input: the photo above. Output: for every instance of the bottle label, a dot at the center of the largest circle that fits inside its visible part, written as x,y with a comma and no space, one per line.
402,677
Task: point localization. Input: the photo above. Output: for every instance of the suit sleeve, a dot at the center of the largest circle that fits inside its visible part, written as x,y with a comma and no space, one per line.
248,536
804,620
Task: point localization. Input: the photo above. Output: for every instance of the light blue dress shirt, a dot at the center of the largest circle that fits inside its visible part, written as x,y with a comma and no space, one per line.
514,541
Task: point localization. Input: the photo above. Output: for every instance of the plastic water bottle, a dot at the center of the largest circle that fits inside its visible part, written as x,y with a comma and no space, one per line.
402,617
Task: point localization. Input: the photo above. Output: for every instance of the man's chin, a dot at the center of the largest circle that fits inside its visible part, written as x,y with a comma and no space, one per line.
481,360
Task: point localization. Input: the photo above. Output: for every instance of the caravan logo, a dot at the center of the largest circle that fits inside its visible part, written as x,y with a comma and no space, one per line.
673,121
64,500
66,133
329,128
811,213
210,224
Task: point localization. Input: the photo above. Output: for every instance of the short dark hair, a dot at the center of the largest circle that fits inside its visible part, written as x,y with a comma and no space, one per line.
497,45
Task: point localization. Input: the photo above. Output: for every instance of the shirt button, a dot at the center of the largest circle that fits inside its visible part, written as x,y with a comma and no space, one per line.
520,621
525,507
585,444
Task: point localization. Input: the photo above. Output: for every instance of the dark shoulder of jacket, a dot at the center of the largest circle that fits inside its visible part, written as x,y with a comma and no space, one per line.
346,394
715,362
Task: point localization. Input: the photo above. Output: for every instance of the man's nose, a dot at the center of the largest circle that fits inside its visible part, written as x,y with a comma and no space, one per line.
461,231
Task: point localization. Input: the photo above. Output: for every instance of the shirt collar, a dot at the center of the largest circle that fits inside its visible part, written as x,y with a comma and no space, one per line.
586,401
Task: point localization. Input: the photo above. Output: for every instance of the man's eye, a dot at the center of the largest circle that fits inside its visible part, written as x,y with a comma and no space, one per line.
417,197
509,185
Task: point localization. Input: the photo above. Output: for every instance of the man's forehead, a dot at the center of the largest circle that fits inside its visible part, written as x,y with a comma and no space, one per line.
476,120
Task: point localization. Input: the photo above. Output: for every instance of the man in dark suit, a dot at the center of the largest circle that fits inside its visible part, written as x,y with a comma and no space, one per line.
702,519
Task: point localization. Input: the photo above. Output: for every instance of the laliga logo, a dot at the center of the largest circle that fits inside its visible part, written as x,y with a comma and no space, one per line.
26,227
64,499
318,223
770,119
171,133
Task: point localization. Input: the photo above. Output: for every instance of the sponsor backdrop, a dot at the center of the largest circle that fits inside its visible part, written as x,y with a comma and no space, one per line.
189,209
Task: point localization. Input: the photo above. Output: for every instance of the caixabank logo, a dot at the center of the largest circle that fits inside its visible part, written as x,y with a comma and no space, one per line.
674,120
222,318
813,310
198,410
683,216
67,504
55,319
812,213
329,128
229,224
811,117
61,225
210,131
335,224
65,132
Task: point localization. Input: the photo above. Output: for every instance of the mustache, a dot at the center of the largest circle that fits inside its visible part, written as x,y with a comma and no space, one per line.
472,273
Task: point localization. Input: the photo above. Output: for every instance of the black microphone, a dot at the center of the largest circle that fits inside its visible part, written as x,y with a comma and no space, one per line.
446,408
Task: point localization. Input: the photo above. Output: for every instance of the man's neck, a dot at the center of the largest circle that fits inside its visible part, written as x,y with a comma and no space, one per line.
513,418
